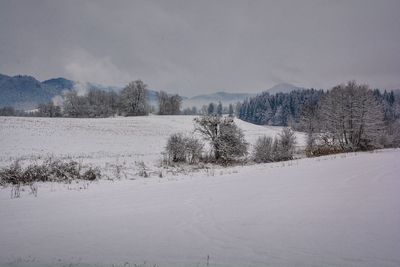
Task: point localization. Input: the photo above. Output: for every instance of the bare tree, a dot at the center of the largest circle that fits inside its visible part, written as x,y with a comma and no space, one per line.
96,103
281,148
211,109
169,104
263,150
310,123
101,104
49,110
286,144
230,110
194,149
8,111
352,118
134,99
226,139
176,148
190,111
74,105
219,109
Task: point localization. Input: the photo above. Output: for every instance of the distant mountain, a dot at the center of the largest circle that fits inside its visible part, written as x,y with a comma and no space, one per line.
25,92
224,97
283,88
57,85
227,98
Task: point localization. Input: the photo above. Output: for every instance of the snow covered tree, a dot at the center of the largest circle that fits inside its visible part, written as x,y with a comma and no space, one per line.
286,144
281,148
263,150
310,122
281,109
176,148
96,103
219,109
49,110
8,111
225,138
194,149
182,148
210,109
75,106
101,104
230,110
169,104
352,117
134,99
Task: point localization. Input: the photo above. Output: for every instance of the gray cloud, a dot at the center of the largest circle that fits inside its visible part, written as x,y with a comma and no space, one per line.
190,47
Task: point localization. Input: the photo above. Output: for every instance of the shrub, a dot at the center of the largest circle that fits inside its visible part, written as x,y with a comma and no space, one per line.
281,148
182,148
176,146
263,150
323,150
48,171
194,149
286,144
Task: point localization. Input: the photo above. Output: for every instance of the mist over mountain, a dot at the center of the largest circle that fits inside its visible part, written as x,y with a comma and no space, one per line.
228,98
26,92
283,88
223,97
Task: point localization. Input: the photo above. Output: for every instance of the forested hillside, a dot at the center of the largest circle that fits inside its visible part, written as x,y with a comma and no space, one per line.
285,109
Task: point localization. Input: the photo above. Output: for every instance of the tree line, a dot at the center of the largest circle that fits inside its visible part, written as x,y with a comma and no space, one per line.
131,101
349,117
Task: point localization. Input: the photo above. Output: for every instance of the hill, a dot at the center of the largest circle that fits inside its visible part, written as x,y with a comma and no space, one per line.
223,97
140,138
283,88
338,210
227,98
26,92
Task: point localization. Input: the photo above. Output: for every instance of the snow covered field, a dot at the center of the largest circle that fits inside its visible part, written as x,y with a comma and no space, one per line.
106,142
340,210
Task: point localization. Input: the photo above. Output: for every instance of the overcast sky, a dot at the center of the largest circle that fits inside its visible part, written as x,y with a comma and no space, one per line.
192,47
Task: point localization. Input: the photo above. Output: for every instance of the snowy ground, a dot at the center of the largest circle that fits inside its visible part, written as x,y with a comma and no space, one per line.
331,211
337,210
105,143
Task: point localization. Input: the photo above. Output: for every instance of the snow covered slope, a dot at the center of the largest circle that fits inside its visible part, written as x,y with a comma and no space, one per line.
101,141
339,210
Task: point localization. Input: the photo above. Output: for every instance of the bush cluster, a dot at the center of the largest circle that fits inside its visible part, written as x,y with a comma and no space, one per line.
48,171
227,144
225,139
281,148
182,148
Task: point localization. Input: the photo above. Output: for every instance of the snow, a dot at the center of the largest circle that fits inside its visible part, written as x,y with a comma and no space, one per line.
339,210
118,141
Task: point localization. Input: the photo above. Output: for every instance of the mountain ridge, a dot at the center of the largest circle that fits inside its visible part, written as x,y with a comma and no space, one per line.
26,92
